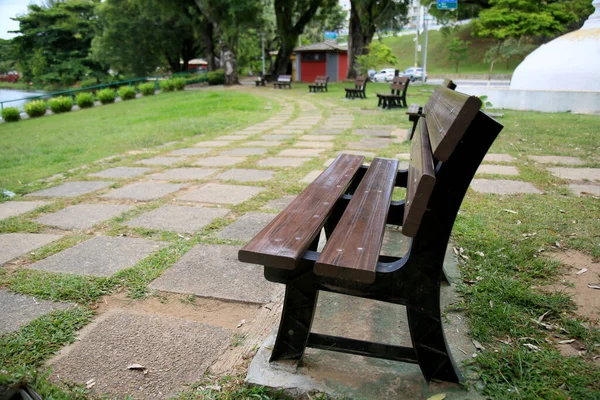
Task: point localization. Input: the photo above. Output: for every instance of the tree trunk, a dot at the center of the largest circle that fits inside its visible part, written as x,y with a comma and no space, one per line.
209,45
283,55
359,38
230,65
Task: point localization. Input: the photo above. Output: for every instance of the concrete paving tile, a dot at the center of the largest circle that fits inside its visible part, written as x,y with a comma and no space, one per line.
311,176
315,145
584,190
234,137
282,162
17,310
99,256
176,353
143,191
246,226
556,160
219,161
492,157
83,216
403,156
180,219
497,169
248,151
369,132
13,245
576,174
121,172
367,154
246,175
262,143
13,208
193,151
71,189
300,153
279,204
214,271
501,186
159,161
367,145
277,137
183,174
319,138
221,194
213,143
330,131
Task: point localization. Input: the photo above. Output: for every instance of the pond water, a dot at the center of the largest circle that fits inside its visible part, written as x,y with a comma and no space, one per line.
11,94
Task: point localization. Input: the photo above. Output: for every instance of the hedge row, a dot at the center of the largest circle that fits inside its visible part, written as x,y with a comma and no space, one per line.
62,104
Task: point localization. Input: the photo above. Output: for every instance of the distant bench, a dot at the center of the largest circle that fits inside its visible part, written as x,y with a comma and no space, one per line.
283,81
352,203
320,84
360,84
397,97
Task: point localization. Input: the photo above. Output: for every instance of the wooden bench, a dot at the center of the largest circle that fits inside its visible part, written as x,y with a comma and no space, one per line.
397,97
360,84
320,84
353,203
283,81
415,110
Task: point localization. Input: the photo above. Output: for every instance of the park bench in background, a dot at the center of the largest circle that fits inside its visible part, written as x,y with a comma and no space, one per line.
320,84
415,110
358,90
397,97
283,81
353,204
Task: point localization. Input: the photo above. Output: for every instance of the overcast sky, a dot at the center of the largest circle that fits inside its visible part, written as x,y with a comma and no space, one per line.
8,9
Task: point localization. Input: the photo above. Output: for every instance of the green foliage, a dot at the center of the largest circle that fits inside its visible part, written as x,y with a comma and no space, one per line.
36,108
106,96
457,50
84,100
11,114
147,89
60,104
89,82
8,57
54,42
216,77
379,55
126,93
179,83
166,85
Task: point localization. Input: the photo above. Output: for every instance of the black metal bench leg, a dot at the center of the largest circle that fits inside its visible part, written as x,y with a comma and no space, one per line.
296,319
429,342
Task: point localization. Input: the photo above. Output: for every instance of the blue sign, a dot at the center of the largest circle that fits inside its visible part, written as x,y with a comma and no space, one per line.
447,4
330,35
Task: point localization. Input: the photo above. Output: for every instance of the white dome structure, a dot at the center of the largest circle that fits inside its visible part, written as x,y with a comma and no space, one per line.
568,63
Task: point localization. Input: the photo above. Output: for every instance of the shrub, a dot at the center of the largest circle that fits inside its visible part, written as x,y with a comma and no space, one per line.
179,83
36,108
126,93
106,96
147,89
60,104
11,114
89,82
167,85
84,100
216,77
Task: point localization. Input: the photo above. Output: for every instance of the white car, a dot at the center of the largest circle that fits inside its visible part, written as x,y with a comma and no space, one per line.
385,75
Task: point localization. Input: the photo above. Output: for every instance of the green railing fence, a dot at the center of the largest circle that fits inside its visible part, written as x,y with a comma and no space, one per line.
191,77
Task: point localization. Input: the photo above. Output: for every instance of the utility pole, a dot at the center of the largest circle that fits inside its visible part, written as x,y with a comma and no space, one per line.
425,46
262,40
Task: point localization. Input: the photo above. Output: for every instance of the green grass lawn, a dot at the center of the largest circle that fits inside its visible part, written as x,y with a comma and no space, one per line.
502,278
38,148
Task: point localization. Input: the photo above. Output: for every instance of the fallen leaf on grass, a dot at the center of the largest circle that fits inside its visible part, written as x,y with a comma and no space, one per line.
136,366
532,347
541,318
440,396
510,211
593,286
566,341
90,384
242,322
478,345
582,271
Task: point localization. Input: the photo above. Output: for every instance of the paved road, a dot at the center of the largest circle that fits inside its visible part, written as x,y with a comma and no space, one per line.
471,82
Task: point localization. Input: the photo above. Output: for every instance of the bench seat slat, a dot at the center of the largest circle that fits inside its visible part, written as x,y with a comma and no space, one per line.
286,238
353,249
421,180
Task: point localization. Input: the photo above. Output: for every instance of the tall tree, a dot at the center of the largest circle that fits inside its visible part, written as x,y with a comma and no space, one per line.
366,18
8,58
292,16
53,45
326,20
229,18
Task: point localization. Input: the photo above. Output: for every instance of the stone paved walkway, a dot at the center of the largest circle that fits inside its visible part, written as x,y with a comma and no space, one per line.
223,190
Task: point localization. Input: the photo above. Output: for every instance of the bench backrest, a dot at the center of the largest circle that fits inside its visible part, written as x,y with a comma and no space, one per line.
449,84
360,82
284,78
399,85
321,80
446,118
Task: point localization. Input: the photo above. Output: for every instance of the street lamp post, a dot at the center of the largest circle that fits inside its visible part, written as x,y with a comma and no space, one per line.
262,41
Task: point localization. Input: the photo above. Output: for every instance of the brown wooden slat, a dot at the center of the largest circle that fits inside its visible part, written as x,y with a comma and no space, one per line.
413,109
448,114
353,249
284,240
421,180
